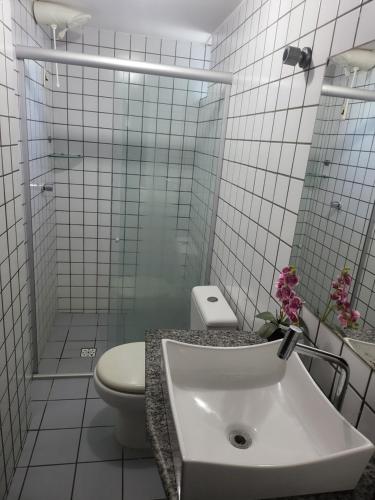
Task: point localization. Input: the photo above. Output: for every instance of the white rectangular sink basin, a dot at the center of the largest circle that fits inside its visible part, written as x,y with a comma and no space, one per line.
249,425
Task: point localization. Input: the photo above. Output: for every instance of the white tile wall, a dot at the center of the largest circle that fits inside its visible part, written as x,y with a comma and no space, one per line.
16,24
269,133
366,291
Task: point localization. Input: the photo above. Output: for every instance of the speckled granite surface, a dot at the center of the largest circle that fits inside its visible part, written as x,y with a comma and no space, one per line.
157,419
363,335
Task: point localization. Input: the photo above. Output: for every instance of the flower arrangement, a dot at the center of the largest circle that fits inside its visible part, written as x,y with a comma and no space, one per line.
290,305
339,302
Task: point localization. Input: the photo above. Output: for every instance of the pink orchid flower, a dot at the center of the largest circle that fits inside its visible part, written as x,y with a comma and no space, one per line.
291,303
347,317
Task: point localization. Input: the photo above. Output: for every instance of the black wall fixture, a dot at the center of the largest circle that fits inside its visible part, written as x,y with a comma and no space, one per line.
294,55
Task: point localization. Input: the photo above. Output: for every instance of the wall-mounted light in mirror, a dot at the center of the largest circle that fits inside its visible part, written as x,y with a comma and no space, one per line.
336,220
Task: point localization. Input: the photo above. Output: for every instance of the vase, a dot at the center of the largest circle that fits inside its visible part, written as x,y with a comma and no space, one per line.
276,335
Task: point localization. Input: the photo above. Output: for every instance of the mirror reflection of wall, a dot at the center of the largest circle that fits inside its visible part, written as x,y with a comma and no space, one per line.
364,299
335,224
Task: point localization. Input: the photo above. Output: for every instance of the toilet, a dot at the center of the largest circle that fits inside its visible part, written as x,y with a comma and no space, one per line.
119,379
119,375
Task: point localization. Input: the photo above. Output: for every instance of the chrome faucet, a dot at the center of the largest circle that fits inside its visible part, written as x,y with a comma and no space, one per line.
290,344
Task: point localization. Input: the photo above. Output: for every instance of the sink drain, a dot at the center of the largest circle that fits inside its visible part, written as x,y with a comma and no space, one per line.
240,439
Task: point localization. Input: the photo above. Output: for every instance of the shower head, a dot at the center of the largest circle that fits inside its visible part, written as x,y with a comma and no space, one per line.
356,58
62,17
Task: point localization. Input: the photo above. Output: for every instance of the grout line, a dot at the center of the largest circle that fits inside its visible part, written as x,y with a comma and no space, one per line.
79,441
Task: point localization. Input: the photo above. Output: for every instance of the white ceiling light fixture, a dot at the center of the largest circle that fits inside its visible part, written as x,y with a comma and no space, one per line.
354,60
63,17
60,18
189,20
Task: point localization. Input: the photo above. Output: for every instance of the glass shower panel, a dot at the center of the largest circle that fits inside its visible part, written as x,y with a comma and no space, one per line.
156,124
208,149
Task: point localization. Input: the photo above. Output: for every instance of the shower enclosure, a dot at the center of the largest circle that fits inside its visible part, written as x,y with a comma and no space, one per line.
131,215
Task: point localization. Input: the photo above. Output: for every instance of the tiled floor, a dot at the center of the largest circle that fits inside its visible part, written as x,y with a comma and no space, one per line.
71,333
71,454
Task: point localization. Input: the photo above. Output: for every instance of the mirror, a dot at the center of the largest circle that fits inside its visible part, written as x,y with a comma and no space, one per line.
336,221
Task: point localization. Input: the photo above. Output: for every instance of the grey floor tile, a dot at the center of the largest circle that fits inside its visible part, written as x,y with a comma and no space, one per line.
142,480
53,350
48,365
103,319
92,393
94,362
27,449
17,483
101,347
98,481
37,409
47,483
69,389
56,447
79,365
63,318
63,414
59,333
132,453
40,389
3,487
102,332
99,444
97,413
72,348
85,319
82,333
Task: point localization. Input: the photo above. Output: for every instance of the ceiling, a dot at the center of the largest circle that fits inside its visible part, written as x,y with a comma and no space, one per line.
191,20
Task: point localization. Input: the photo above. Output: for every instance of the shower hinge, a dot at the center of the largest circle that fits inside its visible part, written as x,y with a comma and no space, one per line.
47,187
45,77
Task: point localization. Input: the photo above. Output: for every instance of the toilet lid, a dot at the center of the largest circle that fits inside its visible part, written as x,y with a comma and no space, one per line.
122,368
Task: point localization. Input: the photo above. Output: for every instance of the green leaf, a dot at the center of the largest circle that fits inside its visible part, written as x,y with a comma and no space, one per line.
262,331
266,316
266,330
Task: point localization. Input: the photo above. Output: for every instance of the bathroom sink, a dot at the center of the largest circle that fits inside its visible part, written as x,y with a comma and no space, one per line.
245,424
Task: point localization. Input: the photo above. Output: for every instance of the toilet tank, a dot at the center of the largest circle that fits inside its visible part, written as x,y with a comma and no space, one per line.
210,310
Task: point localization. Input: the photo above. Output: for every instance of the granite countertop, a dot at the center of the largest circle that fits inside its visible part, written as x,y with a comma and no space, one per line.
157,419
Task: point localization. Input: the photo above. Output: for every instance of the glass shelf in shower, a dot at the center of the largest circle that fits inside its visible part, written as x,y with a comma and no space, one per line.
318,176
64,155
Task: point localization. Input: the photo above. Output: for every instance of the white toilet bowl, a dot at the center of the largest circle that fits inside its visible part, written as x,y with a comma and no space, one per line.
119,378
120,372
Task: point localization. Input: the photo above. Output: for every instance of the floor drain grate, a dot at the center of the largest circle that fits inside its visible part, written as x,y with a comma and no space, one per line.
88,352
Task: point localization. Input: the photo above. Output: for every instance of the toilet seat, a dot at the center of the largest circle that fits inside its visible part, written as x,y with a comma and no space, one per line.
122,368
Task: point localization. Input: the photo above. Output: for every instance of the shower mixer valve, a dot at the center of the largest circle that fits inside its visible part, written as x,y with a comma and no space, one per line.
294,55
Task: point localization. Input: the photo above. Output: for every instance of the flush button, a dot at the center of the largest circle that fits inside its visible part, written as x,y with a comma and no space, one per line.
212,299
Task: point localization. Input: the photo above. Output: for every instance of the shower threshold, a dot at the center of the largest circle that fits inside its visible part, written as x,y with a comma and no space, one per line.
51,376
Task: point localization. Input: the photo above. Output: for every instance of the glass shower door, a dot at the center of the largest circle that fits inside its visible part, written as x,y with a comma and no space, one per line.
155,172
